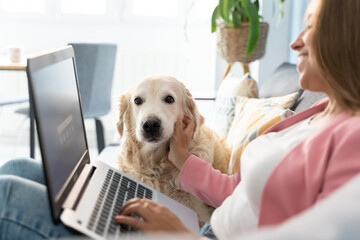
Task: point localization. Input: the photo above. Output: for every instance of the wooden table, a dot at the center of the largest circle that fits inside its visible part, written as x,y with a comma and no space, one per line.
6,65
9,66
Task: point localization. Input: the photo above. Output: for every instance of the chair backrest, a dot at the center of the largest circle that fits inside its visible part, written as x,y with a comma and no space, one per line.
95,63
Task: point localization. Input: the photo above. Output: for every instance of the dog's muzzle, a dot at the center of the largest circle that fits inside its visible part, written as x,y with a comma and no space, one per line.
152,129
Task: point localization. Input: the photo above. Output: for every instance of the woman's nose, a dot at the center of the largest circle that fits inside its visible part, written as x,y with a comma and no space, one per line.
298,43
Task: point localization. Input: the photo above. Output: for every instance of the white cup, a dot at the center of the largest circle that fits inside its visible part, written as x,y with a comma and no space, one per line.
14,54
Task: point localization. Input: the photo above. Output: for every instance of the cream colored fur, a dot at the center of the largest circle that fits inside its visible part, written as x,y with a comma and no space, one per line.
148,161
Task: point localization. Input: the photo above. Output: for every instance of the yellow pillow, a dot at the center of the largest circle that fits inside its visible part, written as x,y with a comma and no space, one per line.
252,117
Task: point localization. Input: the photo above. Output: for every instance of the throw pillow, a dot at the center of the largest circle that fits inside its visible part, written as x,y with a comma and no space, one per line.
252,118
229,89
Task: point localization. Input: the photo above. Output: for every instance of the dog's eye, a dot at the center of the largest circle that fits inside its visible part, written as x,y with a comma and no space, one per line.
169,99
138,101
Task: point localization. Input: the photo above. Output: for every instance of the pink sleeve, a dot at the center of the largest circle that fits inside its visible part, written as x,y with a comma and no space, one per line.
344,161
201,180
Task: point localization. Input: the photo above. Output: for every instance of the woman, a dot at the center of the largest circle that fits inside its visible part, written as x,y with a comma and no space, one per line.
303,159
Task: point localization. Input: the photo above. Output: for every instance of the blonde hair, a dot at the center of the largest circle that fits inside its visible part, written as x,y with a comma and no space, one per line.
336,46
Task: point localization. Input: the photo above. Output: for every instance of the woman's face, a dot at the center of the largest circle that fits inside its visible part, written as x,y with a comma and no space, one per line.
310,78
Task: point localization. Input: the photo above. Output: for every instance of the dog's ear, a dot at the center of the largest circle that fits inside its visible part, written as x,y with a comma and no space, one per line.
191,111
123,106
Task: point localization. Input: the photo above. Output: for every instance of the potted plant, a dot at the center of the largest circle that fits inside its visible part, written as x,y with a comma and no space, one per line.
241,36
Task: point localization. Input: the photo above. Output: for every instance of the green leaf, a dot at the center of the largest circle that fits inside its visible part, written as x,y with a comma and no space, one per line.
252,12
257,4
281,10
225,9
214,16
223,4
236,19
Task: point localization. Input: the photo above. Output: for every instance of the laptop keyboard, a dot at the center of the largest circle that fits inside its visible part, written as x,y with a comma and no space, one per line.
116,190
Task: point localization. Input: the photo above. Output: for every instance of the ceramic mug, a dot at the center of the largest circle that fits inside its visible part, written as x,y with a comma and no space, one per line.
14,54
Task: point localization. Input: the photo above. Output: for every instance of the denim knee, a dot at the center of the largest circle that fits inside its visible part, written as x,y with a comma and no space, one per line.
24,167
17,163
25,211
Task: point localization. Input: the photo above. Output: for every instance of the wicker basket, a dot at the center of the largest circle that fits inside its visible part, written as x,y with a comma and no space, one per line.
231,43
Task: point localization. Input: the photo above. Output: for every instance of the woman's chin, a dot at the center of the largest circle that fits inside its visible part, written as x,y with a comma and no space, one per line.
300,67
303,81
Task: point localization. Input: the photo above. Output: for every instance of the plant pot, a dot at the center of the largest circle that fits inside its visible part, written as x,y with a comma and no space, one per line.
231,42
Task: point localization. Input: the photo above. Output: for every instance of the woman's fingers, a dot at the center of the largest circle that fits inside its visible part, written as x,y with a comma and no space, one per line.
136,200
138,206
184,126
131,221
189,126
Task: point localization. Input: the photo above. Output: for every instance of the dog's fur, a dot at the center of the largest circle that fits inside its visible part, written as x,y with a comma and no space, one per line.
144,155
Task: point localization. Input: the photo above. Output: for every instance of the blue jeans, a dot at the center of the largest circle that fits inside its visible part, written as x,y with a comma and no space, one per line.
206,231
24,206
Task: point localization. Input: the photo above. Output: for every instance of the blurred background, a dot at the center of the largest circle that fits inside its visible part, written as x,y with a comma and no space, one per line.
167,37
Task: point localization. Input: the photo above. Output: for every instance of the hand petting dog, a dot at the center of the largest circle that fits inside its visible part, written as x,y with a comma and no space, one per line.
179,153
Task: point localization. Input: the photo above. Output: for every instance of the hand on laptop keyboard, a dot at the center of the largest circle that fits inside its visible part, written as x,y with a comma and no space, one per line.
155,217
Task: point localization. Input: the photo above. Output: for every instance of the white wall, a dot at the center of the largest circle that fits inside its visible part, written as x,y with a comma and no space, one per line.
277,46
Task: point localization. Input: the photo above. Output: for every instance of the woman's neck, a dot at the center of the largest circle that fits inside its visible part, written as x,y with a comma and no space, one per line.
332,110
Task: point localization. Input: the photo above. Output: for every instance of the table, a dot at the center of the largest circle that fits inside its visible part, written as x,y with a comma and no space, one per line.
6,65
9,66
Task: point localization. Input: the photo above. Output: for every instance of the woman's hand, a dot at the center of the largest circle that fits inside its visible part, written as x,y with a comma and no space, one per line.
156,217
183,132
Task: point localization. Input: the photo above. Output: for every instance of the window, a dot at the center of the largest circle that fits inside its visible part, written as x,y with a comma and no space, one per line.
155,8
203,9
90,7
23,6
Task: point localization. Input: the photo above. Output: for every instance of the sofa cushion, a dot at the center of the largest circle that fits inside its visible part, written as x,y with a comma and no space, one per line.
285,80
230,88
282,82
307,99
252,117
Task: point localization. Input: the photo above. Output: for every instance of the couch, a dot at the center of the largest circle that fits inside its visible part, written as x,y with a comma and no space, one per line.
285,81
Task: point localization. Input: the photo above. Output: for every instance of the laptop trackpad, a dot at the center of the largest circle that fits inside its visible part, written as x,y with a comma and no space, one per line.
187,215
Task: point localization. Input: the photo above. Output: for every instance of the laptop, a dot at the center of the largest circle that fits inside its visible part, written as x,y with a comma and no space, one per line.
84,195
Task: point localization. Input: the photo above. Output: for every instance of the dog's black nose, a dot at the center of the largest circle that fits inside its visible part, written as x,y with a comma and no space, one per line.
152,125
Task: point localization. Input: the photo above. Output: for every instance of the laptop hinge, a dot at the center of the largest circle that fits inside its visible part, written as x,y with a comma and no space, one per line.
79,187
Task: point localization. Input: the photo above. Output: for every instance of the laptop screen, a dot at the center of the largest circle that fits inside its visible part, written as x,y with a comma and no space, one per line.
54,93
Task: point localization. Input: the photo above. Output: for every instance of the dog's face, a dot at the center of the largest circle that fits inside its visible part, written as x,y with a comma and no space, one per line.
156,105
151,109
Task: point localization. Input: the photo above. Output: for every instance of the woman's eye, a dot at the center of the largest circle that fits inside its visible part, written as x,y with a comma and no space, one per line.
138,101
169,99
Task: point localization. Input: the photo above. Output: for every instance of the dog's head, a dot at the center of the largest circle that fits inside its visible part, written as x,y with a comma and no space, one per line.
151,109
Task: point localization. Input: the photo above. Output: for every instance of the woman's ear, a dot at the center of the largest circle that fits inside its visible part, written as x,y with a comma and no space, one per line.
123,107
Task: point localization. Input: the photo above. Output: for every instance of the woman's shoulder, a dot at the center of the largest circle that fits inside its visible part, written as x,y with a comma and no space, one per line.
344,128
346,123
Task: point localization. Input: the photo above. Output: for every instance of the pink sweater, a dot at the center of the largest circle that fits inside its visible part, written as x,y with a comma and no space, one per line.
313,169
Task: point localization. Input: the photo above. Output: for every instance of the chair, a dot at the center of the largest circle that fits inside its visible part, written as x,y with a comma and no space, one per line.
95,63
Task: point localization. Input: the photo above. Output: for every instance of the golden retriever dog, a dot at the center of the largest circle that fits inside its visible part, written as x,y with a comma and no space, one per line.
149,112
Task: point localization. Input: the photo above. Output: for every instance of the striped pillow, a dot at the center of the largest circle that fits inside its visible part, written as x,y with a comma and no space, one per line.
252,117
230,88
